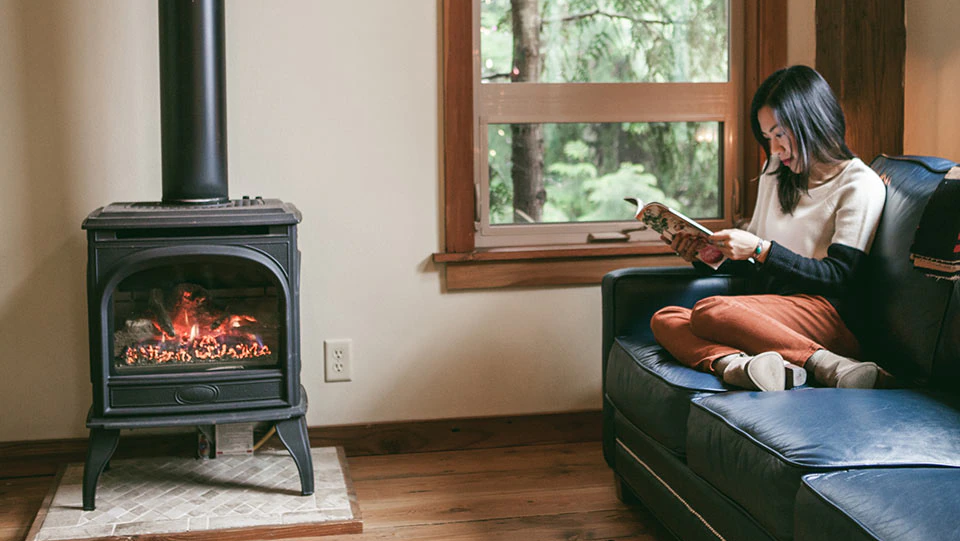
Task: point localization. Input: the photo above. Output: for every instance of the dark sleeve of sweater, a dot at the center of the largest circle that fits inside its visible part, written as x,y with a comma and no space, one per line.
739,268
829,277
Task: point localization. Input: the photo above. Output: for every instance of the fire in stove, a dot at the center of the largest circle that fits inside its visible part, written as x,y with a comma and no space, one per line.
186,325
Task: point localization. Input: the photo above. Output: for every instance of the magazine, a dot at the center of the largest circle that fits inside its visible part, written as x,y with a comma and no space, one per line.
668,222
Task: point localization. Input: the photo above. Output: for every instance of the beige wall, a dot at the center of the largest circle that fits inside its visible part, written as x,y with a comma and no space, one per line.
331,105
801,33
77,113
333,114
932,89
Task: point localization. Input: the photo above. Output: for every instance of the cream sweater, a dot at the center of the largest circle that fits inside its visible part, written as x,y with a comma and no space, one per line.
842,210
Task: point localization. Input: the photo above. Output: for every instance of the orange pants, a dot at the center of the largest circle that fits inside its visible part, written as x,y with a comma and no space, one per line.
793,325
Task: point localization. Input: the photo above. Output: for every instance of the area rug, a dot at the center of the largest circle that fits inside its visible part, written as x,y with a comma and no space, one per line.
237,497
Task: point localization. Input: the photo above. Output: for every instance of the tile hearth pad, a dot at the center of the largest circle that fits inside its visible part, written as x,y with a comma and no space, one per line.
175,495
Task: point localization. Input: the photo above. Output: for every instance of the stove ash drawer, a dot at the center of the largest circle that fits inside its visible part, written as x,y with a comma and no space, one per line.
196,395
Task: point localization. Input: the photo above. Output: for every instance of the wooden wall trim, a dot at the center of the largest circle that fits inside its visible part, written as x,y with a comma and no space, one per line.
44,457
460,434
861,52
765,51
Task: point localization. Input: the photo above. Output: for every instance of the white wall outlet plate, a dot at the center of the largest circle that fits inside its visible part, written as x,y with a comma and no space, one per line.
337,359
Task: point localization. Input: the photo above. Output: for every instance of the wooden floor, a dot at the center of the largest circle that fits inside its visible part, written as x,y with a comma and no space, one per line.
539,492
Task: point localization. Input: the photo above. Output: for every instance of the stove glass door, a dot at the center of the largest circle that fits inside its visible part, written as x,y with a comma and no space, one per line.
201,314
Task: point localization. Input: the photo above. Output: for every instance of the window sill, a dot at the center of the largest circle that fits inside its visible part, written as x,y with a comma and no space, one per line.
548,265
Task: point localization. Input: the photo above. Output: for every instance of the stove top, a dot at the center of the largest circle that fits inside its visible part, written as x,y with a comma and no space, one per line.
153,214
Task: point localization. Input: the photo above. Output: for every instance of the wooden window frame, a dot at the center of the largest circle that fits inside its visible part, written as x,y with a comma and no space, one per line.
467,267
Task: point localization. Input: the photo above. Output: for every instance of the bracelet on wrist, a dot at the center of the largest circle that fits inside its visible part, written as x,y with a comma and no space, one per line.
759,249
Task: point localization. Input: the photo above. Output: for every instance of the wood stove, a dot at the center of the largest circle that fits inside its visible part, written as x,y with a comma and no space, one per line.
193,301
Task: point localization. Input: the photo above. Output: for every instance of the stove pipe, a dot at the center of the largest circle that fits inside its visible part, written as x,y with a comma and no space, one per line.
193,114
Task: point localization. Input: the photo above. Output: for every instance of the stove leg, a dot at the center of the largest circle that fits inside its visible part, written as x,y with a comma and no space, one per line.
293,434
103,442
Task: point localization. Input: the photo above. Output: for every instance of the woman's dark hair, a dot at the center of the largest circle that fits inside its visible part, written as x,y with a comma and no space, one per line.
803,103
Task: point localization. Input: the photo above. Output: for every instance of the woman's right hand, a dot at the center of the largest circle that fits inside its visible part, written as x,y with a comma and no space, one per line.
685,245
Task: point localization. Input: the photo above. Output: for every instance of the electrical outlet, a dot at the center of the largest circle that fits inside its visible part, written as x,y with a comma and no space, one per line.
337,358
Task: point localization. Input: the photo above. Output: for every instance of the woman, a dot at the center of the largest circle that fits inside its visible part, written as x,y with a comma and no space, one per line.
817,211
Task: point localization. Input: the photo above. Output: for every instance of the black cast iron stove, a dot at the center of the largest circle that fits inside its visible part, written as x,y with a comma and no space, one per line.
193,301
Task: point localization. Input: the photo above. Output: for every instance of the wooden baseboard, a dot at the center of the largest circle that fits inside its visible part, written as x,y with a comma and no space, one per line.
460,434
44,457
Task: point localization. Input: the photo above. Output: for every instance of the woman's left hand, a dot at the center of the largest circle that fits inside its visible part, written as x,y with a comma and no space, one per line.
736,244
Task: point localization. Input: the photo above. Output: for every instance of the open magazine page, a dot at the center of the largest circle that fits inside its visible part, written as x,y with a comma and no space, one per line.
669,222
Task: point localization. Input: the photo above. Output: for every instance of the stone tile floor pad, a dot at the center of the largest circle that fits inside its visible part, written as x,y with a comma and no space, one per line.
172,495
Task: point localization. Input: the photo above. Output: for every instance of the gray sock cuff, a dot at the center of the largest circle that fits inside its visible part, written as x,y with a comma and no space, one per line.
721,364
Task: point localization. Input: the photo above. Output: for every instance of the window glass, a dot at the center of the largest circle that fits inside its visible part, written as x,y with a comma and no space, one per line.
580,172
603,41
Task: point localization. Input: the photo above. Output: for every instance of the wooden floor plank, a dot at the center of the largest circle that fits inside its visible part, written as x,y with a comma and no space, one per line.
20,499
474,507
624,525
476,483
501,460
485,486
543,492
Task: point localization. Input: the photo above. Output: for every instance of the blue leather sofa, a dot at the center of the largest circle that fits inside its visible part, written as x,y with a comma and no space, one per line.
712,462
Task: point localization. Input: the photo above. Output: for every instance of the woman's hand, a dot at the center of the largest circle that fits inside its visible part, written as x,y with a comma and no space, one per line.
685,245
736,244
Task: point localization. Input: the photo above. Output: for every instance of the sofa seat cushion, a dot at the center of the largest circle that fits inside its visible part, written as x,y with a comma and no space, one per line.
904,504
755,447
653,391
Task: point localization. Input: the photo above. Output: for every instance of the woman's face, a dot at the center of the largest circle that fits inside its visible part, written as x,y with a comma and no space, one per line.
782,142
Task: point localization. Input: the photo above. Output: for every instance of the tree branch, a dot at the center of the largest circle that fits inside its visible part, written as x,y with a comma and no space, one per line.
595,12
497,76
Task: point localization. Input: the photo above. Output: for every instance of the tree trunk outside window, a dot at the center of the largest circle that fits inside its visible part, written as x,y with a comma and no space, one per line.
529,194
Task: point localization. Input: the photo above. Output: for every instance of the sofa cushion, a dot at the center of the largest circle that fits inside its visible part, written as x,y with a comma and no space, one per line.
653,391
908,504
755,447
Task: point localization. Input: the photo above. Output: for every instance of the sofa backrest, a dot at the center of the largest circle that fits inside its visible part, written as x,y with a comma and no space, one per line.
913,320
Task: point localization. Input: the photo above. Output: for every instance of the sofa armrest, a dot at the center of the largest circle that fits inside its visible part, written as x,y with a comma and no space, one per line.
631,296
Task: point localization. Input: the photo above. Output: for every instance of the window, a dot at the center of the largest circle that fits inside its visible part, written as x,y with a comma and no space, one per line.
555,110
582,103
